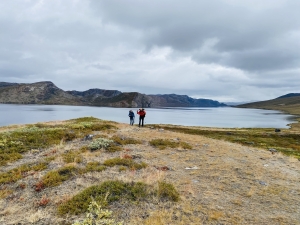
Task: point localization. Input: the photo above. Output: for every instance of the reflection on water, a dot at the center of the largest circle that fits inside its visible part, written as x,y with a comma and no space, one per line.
209,117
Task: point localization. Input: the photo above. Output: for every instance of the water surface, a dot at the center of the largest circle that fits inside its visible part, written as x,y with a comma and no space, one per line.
209,117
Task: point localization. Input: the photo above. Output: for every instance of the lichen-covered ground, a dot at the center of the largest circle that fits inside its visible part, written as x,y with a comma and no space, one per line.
219,182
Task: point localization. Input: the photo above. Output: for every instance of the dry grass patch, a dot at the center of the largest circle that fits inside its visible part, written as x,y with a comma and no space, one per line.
125,162
164,143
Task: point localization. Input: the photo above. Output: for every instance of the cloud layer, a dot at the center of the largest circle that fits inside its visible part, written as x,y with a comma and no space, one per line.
227,50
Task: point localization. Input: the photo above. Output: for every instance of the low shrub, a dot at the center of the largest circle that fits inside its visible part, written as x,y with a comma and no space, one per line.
96,216
100,143
117,191
125,162
94,167
167,192
105,193
55,178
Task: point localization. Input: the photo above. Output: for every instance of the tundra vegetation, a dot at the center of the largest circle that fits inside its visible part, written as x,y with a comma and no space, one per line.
51,173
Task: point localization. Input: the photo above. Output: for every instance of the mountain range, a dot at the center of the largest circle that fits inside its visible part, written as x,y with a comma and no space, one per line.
46,92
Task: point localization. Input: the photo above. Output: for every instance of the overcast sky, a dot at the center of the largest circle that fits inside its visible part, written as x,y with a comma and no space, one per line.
226,50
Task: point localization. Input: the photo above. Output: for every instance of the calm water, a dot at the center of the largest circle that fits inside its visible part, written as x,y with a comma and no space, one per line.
210,117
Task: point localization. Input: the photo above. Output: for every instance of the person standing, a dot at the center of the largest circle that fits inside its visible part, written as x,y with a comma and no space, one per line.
142,114
131,116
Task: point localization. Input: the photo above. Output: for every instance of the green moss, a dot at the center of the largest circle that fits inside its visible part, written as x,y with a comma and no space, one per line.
19,172
125,162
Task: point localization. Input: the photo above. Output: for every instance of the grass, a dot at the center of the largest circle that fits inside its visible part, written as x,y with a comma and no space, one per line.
125,141
40,136
125,162
112,191
72,156
55,178
164,143
20,172
94,167
286,142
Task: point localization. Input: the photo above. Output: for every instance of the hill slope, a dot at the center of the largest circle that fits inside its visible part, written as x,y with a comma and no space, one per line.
288,103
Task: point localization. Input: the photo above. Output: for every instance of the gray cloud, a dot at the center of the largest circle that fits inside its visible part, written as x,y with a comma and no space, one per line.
219,49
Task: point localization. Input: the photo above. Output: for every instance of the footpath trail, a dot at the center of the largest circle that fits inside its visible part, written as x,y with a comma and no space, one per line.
219,182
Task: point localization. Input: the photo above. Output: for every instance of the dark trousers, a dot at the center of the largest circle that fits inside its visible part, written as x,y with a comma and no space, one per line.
141,120
131,120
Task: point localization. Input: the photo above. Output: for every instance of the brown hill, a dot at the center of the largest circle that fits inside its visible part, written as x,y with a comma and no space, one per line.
283,103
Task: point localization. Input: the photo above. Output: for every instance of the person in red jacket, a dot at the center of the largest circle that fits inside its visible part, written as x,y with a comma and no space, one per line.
142,114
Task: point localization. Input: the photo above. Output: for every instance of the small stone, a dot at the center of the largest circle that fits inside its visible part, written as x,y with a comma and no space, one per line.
262,183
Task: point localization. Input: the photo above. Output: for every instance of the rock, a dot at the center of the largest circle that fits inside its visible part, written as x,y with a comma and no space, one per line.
272,150
88,137
262,183
161,130
192,168
277,130
162,168
249,142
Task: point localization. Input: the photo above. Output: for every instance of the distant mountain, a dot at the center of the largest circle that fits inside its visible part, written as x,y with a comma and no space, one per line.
289,103
47,93
37,93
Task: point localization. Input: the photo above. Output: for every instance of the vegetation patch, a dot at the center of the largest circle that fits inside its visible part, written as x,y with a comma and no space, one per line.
5,192
55,178
97,215
72,156
164,143
39,136
125,162
286,142
108,192
167,192
20,172
125,141
94,167
100,143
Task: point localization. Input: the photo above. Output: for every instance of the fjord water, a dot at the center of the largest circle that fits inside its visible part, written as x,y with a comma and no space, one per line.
208,117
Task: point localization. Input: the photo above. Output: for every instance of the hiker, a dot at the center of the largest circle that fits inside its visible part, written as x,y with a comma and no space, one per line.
142,114
131,116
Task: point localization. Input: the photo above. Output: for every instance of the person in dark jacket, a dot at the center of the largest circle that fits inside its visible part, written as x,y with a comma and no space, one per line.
131,116
142,114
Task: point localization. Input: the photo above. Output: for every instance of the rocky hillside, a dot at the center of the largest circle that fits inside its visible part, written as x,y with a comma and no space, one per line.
48,93
173,100
36,93
288,103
